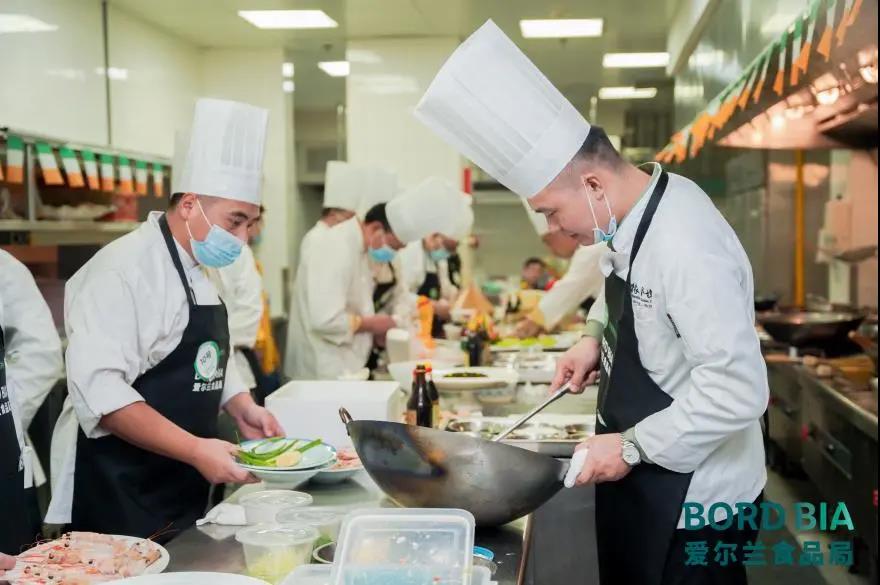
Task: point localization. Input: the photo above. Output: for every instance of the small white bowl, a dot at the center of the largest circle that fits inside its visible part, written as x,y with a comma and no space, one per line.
272,551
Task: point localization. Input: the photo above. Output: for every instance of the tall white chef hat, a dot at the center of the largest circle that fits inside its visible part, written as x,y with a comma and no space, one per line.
343,185
539,222
379,186
225,154
492,104
432,206
178,159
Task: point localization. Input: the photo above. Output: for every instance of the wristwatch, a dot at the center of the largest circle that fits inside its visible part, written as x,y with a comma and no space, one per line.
630,452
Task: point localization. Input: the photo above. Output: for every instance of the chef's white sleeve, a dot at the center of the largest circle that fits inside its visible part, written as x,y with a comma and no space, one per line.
104,348
241,288
33,348
234,384
326,283
582,280
707,298
597,317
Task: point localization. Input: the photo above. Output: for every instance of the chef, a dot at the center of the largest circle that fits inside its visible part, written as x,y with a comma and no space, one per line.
333,321
30,364
239,285
682,382
148,365
579,287
425,266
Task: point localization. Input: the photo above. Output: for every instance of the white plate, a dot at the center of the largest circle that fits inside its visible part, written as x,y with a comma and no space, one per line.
331,476
192,579
494,378
155,568
315,458
561,342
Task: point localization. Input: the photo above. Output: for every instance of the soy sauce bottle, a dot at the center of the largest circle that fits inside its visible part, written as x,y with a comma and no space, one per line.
419,410
474,348
434,395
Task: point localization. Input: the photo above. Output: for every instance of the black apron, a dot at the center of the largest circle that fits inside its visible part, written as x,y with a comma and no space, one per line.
17,530
122,489
454,264
383,293
430,288
641,511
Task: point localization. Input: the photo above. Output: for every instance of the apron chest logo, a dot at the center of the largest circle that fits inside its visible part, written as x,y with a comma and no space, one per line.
207,361
641,296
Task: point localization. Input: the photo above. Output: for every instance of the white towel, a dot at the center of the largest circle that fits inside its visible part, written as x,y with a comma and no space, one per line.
226,514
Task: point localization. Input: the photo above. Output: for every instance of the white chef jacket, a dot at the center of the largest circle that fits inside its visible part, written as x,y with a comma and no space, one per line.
33,353
241,288
416,263
582,280
693,304
125,311
402,305
333,286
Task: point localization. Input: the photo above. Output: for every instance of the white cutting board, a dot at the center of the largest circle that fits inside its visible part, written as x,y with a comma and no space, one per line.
311,409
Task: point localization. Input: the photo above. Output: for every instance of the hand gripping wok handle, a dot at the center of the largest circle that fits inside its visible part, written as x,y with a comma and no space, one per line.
523,419
575,467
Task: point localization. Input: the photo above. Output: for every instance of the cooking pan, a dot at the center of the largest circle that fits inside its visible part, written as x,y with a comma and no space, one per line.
807,328
419,467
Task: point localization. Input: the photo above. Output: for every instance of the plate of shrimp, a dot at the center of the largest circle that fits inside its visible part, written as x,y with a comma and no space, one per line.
84,558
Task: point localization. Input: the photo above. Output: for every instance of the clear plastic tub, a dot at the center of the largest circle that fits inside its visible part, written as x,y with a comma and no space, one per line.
272,551
322,575
262,507
405,547
326,520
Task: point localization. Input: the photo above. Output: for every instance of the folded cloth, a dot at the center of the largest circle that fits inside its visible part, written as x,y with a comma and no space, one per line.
227,514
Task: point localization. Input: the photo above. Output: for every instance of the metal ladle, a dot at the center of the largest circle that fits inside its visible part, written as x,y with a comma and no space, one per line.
565,389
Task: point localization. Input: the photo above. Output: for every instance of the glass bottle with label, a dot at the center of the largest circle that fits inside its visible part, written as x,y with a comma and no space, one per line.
435,396
419,410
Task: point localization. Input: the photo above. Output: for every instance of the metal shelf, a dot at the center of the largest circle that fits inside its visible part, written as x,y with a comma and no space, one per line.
49,225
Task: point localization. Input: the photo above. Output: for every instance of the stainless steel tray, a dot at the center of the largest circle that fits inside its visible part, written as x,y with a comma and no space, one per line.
555,435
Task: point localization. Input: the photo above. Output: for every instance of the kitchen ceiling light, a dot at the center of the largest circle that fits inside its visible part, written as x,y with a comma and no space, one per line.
777,122
288,19
795,112
287,70
287,86
16,23
634,60
561,28
627,93
335,68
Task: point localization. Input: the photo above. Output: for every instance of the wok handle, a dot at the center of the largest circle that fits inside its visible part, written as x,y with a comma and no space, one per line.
345,416
526,417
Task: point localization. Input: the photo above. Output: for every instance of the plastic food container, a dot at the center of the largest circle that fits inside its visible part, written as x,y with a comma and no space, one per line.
272,551
324,519
262,507
405,547
322,575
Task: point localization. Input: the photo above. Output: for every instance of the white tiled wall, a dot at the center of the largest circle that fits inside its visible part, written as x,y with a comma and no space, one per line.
156,78
51,82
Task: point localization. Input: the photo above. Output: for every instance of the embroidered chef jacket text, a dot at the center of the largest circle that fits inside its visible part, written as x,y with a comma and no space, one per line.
693,301
125,311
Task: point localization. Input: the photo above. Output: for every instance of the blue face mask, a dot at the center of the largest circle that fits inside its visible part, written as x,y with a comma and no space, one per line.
218,249
383,255
599,235
439,255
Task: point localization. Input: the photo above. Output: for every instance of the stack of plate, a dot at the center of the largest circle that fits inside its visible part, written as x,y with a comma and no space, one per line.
313,461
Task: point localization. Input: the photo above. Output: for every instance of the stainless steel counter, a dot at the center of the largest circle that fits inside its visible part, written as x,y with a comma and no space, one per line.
214,548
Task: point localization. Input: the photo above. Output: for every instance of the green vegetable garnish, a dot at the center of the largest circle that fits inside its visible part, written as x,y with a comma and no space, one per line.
253,456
